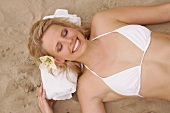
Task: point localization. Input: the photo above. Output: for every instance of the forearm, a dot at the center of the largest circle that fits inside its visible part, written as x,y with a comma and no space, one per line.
147,14
168,9
140,14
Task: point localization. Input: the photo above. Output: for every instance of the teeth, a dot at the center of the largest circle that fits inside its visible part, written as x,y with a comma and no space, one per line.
76,45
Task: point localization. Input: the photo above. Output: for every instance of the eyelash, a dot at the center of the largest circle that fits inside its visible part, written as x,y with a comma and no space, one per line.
65,31
60,48
64,34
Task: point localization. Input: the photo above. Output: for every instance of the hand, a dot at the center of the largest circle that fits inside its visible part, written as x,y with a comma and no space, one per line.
45,106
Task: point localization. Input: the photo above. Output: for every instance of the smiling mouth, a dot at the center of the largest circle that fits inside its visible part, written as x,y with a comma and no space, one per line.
76,46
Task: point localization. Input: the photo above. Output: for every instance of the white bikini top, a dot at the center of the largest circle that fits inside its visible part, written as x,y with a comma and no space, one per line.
128,82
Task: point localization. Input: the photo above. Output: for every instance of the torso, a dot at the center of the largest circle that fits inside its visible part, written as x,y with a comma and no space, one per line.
155,77
156,71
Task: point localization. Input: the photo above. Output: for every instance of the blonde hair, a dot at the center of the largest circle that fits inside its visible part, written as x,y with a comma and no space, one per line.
36,33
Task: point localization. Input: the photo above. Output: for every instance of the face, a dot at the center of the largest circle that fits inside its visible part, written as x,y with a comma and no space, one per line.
63,43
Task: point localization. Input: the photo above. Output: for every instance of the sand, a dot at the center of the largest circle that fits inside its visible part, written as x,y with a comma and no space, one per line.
20,76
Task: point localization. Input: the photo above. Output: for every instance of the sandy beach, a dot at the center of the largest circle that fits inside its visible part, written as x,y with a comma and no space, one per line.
19,74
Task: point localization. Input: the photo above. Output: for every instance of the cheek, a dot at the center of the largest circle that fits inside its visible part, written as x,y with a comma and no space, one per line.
65,53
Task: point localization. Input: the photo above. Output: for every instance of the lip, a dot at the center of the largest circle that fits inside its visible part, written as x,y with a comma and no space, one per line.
79,43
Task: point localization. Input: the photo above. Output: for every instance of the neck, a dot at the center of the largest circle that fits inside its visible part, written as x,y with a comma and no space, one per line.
94,54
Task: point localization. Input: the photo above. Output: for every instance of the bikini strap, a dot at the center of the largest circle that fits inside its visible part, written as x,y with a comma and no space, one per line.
102,35
92,71
142,58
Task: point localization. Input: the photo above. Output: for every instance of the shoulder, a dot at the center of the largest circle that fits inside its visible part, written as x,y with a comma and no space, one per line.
103,22
85,91
88,95
87,87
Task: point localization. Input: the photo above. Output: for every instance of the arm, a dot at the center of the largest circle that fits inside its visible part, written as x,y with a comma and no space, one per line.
91,106
138,14
110,19
88,101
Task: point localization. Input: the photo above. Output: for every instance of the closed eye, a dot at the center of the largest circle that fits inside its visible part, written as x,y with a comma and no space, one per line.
59,47
64,32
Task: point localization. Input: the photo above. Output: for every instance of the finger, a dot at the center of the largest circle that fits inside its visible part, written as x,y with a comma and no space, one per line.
40,91
41,104
42,98
44,94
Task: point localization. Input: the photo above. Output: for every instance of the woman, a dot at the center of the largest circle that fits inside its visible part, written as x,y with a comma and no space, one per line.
121,59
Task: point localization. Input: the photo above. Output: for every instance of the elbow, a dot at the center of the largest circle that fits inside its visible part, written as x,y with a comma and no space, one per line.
97,18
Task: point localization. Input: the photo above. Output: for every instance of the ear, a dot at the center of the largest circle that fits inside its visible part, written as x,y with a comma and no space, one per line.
59,61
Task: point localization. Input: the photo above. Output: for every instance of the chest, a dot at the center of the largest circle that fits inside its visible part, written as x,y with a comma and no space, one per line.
120,54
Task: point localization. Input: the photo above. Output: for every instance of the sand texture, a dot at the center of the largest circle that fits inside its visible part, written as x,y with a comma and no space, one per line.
19,75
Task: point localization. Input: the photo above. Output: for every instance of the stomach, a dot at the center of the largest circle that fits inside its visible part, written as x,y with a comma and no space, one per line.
155,78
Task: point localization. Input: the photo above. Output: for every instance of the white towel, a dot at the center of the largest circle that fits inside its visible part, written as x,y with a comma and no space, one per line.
59,86
63,13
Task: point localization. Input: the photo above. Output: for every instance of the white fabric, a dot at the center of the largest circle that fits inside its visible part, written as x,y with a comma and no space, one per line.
59,86
128,82
137,34
63,13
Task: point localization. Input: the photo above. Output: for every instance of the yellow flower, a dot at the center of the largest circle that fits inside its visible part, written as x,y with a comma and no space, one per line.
48,61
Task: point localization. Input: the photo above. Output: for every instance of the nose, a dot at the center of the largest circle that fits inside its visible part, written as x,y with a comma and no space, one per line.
68,40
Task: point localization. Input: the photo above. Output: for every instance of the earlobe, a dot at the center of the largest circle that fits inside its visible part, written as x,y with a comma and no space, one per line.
59,61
